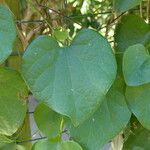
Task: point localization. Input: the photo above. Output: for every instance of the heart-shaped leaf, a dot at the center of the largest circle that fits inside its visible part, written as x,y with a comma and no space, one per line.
132,29
7,33
124,5
47,120
136,65
49,145
138,99
71,80
112,117
13,93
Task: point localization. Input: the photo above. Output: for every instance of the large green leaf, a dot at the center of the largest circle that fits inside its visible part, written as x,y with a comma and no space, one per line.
49,145
139,139
138,99
71,80
136,65
124,5
112,117
7,33
131,30
13,94
47,120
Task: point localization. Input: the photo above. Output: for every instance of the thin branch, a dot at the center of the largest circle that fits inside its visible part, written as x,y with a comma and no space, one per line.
112,21
31,140
59,13
30,112
17,53
148,11
29,21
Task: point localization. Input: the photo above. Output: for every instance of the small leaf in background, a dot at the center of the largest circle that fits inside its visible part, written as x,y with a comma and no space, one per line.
49,145
124,5
7,33
48,121
131,30
136,65
13,93
110,119
139,139
15,59
71,80
138,99
61,34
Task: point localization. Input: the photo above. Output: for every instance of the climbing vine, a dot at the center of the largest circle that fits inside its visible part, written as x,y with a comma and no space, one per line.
90,86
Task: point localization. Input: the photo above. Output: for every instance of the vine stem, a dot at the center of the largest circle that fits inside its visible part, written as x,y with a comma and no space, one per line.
141,10
112,21
59,13
148,11
29,21
31,140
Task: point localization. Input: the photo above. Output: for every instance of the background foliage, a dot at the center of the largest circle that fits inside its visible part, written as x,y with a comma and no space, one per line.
88,64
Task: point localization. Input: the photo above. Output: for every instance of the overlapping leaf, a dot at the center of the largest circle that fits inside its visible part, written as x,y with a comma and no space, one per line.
13,94
138,99
131,30
50,145
124,5
136,65
47,121
112,117
7,33
71,80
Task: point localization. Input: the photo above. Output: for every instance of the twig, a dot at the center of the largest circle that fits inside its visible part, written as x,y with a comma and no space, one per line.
30,112
31,140
148,11
29,21
112,21
17,53
59,13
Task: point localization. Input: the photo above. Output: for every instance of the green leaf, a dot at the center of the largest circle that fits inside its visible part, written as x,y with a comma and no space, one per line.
47,121
136,65
124,5
7,33
61,34
131,30
13,93
49,145
110,119
71,80
8,146
138,99
139,139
